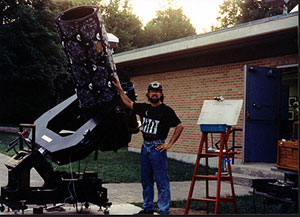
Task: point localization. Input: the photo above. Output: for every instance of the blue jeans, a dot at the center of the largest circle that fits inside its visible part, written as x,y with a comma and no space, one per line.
154,164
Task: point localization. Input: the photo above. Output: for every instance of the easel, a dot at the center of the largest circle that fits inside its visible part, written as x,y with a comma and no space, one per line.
223,155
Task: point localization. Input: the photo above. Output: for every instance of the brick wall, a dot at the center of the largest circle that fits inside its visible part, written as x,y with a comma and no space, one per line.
186,90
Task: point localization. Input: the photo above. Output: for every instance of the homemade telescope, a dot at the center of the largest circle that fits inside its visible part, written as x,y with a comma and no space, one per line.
92,119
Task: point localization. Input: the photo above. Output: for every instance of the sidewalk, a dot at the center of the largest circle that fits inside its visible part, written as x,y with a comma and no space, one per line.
122,194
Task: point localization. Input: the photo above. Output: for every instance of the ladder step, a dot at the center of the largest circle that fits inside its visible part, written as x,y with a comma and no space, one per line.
213,177
204,199
216,154
213,199
224,199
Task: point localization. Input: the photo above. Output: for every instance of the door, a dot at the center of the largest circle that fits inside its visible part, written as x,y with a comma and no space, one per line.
262,111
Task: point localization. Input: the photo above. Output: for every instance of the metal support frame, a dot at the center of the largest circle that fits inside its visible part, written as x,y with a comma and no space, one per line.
87,187
21,127
233,146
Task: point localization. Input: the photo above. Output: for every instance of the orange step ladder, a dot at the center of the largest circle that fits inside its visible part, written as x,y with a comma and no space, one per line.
224,130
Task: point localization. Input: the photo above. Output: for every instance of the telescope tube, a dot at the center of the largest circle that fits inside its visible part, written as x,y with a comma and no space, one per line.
85,43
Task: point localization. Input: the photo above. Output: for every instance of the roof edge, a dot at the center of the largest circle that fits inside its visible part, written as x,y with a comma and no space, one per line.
250,29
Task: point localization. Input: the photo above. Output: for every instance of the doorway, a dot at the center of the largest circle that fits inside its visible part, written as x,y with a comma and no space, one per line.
290,81
271,110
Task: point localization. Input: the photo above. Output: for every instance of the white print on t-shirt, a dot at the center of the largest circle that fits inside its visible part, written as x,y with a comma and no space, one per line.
150,126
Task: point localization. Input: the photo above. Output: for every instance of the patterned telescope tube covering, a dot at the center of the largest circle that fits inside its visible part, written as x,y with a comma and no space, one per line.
85,42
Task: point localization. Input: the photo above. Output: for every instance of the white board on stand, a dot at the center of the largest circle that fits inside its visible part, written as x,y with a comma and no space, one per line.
220,112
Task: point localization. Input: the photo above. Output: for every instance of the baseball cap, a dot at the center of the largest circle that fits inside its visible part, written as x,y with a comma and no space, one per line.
155,86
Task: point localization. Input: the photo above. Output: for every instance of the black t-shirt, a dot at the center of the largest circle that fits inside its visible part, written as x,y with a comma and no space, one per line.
156,121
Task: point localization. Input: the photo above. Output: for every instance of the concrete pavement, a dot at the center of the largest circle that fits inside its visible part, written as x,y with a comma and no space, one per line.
132,192
122,194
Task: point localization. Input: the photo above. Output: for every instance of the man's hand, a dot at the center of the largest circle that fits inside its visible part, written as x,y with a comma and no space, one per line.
162,146
176,134
125,99
117,82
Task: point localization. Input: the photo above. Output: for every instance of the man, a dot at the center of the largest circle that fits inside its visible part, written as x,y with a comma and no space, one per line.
157,118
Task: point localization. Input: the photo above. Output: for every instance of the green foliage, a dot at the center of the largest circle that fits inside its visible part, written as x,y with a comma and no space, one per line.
124,166
233,12
86,2
168,25
5,139
59,6
120,21
31,61
113,167
32,64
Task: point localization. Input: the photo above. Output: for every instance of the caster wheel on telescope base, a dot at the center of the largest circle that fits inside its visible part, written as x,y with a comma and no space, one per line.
2,208
106,211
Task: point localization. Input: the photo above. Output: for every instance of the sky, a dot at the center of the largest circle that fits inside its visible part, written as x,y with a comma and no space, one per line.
202,13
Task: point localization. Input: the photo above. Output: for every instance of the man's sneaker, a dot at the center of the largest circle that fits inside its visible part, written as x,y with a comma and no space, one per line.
144,212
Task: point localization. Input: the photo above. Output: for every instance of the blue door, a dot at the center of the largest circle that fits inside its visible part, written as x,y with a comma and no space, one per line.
262,114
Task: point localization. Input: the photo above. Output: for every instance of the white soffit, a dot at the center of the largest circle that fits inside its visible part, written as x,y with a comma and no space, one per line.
251,29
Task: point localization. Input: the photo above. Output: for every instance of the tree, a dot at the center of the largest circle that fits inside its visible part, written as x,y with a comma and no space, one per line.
120,21
168,25
33,76
233,12
60,6
32,64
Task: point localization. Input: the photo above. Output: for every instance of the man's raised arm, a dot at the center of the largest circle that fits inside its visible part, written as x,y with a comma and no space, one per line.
125,99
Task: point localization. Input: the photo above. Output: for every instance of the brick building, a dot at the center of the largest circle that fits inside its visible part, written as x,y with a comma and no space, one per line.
200,67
